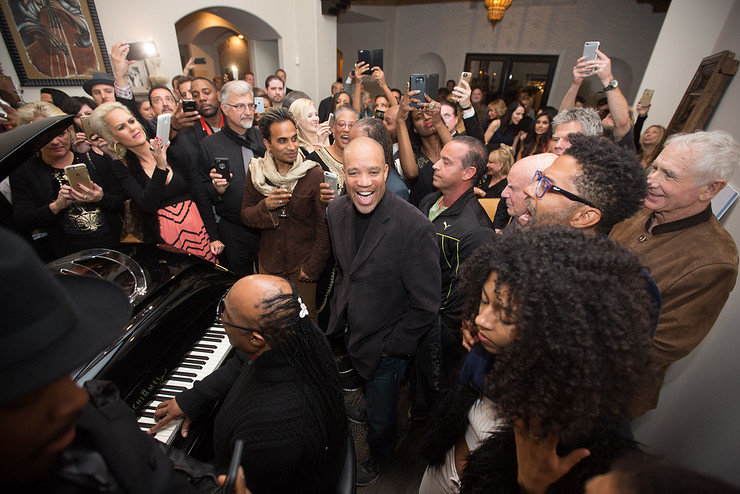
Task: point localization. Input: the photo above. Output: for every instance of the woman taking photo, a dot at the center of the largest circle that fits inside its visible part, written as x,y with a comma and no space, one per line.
164,193
311,133
43,200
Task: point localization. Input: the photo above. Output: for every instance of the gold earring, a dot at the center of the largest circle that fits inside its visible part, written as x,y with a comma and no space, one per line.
118,149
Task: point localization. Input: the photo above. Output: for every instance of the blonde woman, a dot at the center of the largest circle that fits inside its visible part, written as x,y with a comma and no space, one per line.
173,210
493,183
311,134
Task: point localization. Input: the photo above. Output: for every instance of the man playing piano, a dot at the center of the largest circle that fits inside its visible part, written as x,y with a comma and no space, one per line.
280,392
57,436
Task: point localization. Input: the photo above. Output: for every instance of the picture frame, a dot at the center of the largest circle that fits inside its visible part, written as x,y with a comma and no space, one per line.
53,43
138,77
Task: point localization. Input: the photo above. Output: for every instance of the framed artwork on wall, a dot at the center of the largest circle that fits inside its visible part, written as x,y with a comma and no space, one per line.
53,42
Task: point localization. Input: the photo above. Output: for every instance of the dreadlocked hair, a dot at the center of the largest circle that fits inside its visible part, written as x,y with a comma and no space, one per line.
307,351
583,320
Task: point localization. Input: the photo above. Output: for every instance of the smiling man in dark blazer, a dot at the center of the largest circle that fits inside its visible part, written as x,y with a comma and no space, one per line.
387,290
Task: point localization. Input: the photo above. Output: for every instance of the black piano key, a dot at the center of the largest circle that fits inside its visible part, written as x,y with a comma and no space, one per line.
182,379
184,374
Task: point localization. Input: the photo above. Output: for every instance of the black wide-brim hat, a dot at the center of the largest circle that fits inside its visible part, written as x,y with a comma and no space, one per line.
98,78
51,324
21,143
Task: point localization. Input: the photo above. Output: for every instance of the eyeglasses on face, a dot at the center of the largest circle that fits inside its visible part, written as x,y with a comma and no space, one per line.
220,313
543,184
240,107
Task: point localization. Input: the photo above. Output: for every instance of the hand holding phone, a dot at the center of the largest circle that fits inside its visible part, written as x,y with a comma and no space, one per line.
418,82
236,459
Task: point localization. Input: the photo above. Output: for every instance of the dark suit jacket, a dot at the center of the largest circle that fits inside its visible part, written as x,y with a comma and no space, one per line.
389,293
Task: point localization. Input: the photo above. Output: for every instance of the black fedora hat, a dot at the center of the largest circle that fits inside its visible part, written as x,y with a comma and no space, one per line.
98,78
50,324
19,144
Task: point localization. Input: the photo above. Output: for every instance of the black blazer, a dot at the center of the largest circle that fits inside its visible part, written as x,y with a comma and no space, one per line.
389,293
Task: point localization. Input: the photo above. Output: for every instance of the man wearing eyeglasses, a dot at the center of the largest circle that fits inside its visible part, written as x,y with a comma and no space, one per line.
238,141
592,186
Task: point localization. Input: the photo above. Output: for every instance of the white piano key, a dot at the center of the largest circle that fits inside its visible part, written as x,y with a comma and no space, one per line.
206,356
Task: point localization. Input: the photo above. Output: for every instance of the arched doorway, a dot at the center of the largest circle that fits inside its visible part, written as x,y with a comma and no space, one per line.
230,40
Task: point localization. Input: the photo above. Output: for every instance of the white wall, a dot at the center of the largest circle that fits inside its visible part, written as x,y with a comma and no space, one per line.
303,32
696,422
627,31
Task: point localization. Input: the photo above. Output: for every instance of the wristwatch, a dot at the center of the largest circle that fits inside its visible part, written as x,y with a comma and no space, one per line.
612,85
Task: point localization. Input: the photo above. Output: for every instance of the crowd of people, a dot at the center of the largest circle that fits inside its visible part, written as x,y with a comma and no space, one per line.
530,335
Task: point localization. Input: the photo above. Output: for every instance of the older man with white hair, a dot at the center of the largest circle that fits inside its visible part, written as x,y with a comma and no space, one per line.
692,258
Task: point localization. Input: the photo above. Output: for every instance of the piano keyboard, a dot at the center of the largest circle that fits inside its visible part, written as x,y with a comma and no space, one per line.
206,356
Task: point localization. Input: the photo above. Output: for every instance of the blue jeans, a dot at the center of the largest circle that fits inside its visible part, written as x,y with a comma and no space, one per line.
382,406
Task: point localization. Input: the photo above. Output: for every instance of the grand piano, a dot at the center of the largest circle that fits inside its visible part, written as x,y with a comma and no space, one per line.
171,341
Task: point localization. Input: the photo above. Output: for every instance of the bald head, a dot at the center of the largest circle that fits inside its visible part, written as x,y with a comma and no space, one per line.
519,177
365,172
365,146
246,305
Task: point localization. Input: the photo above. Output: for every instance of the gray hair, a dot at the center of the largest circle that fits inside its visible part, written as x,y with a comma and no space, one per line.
236,88
588,117
345,108
715,154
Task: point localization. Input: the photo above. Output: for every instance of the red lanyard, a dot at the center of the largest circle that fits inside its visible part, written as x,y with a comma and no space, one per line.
207,128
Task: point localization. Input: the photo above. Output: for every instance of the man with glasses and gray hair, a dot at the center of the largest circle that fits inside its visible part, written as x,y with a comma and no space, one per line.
237,142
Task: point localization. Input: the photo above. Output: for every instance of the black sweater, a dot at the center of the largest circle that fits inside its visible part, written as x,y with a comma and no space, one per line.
266,403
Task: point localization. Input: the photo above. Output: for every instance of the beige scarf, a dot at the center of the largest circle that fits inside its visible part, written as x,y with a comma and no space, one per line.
264,170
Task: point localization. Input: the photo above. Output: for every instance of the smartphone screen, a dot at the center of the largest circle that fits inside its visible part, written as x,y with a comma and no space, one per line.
199,61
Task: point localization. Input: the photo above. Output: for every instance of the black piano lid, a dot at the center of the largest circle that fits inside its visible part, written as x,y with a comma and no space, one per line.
169,291
139,269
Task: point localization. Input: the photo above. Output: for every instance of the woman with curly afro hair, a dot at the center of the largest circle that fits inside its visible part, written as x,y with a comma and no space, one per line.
564,325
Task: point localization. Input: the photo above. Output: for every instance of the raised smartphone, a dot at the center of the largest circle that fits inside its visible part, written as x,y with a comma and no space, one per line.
467,77
87,127
77,174
140,50
647,97
418,82
199,61
163,128
222,166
